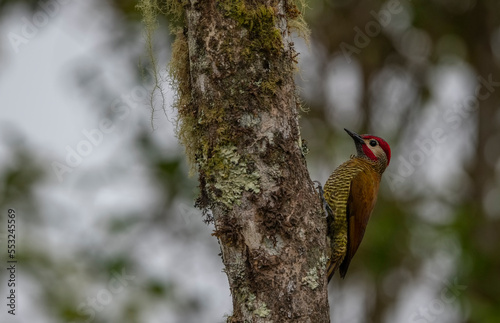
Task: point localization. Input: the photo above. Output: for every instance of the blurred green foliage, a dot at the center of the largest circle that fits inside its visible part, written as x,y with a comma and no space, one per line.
423,234
457,240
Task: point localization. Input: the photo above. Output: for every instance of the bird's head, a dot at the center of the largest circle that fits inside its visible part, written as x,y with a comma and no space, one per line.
372,147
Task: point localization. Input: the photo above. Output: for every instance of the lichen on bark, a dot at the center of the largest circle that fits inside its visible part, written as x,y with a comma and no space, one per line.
233,66
239,80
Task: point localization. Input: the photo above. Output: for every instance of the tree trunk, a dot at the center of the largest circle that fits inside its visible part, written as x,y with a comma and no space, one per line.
234,64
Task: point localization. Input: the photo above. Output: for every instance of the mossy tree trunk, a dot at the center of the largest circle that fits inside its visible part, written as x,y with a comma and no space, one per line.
234,64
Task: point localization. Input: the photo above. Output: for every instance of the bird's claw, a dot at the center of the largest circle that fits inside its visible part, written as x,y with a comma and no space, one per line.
326,207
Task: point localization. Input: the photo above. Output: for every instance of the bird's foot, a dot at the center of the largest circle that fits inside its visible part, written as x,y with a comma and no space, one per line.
326,207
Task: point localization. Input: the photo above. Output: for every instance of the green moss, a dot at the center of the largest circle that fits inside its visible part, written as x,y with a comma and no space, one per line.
149,10
296,22
187,129
251,69
270,86
260,24
174,10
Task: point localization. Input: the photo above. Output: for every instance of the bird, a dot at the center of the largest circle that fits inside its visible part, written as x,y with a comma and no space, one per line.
349,196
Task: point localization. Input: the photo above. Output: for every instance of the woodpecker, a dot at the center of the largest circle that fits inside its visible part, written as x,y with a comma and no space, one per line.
350,194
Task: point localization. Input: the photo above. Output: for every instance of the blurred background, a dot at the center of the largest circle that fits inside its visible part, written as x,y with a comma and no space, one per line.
106,228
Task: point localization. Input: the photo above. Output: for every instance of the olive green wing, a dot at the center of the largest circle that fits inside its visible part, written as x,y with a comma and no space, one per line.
337,191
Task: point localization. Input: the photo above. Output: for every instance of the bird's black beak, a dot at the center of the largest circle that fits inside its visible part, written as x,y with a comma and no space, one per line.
357,138
358,141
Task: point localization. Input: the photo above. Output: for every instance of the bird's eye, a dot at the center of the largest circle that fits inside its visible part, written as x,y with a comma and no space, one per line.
373,143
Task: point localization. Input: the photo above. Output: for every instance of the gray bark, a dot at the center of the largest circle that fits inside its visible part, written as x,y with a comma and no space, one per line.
238,111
